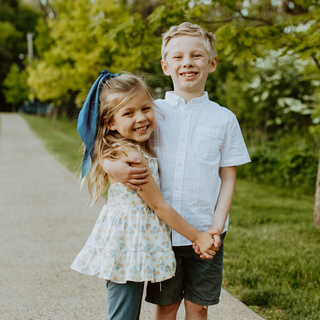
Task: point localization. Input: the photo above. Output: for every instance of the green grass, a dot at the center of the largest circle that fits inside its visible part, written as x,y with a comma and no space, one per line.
62,141
272,253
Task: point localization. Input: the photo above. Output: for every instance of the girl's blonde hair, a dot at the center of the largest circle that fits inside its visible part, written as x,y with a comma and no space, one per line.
114,94
192,30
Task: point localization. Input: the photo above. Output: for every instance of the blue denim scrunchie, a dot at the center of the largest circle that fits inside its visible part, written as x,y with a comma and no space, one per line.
88,120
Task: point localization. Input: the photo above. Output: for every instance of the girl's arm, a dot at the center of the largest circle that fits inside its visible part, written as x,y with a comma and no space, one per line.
123,172
152,195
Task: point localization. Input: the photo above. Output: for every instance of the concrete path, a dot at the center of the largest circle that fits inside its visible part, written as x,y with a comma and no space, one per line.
44,222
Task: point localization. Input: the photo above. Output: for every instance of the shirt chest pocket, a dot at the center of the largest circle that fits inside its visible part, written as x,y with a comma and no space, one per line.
207,142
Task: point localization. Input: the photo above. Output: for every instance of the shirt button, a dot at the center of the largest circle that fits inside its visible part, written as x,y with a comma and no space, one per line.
211,132
179,164
186,116
183,140
177,188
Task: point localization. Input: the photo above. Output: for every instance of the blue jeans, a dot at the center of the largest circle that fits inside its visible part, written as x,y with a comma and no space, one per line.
124,300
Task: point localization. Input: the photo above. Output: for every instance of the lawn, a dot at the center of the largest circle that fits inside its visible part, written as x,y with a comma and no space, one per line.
62,141
272,252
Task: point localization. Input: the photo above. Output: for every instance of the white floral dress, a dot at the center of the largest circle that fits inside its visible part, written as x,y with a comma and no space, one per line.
128,241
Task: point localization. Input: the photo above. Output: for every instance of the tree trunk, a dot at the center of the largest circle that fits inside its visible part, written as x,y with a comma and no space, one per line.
54,121
316,219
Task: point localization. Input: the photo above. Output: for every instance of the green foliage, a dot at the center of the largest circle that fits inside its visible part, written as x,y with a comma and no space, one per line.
9,36
266,73
294,168
78,50
15,86
16,20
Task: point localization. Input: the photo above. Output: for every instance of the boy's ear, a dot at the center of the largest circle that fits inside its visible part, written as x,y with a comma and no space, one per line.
213,65
165,68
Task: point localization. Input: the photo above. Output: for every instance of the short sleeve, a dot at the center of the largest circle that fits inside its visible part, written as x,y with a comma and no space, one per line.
233,151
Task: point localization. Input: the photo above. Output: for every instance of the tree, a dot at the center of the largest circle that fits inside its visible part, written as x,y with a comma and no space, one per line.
78,48
16,20
15,87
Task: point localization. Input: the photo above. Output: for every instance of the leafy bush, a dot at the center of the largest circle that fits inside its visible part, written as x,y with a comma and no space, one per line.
295,169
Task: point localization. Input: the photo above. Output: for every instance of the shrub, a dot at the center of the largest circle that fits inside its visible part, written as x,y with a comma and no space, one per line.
295,169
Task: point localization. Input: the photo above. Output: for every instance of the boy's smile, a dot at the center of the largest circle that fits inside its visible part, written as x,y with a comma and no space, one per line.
187,62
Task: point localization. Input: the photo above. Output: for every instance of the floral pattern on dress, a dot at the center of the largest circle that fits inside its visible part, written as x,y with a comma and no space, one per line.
128,241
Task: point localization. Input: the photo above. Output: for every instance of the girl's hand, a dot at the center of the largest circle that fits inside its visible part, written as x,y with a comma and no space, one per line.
204,245
216,233
122,171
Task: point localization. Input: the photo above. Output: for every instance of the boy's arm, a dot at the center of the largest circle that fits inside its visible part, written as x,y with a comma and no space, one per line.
123,171
228,184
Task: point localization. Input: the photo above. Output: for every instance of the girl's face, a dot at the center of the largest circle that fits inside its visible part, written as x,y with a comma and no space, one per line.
135,120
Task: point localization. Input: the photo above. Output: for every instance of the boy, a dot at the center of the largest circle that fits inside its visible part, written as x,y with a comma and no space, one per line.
195,139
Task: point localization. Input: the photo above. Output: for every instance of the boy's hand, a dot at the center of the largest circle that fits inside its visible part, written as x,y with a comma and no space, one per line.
215,234
204,245
122,171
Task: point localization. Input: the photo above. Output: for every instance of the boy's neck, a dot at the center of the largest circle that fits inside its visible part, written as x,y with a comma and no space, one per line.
188,96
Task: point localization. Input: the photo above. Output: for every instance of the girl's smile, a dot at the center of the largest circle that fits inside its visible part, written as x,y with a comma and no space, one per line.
135,120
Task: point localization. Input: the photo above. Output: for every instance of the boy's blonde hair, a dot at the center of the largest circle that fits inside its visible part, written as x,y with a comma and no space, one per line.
114,94
192,30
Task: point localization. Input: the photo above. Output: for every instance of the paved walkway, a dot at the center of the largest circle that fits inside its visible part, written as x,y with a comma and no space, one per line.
45,220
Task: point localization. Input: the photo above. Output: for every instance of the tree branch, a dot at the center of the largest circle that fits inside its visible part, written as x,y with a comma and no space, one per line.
249,18
316,61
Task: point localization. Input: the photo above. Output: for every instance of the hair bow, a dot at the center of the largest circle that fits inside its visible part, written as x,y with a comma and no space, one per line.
88,120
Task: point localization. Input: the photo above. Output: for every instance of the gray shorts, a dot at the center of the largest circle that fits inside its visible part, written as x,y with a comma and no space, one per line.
196,280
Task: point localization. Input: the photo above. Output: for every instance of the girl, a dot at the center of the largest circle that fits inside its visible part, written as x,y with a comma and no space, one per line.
128,244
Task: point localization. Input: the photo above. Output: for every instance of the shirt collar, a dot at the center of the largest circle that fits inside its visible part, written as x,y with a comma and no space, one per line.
175,100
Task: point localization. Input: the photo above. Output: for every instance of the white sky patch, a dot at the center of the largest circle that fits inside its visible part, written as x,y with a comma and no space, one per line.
244,12
294,105
255,83
264,95
304,27
246,3
291,5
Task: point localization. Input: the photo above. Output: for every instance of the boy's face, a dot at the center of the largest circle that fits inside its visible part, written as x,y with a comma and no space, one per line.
187,62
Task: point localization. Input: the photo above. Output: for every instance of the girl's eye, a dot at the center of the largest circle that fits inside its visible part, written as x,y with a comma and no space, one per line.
147,109
128,114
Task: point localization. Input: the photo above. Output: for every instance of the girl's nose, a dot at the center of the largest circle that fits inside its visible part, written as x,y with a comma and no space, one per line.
141,117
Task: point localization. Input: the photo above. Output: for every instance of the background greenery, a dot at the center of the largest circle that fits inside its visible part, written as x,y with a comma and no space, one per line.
268,66
272,249
268,74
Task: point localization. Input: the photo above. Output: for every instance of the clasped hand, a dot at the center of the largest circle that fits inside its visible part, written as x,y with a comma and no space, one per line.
207,243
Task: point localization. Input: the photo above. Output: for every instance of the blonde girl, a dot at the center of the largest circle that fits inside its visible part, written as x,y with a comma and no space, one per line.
130,242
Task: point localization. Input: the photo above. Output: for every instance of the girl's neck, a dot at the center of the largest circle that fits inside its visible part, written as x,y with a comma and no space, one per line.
144,146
